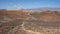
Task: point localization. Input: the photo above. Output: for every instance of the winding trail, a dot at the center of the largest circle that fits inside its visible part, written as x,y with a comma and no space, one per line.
23,28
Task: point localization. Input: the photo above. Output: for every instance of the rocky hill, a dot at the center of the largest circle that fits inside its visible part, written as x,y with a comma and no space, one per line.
20,22
10,19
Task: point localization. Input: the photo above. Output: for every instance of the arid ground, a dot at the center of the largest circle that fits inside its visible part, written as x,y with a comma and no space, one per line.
21,22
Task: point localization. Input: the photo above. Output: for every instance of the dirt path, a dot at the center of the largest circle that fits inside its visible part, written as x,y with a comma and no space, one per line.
23,28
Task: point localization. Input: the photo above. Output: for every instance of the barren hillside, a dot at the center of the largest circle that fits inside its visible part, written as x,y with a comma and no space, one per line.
20,22
11,19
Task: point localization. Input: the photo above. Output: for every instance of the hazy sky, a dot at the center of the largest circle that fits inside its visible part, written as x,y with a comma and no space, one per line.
20,4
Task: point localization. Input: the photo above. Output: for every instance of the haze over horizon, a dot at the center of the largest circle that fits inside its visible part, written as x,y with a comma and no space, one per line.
28,4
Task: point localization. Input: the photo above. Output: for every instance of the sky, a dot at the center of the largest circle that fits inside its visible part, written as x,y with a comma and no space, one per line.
28,4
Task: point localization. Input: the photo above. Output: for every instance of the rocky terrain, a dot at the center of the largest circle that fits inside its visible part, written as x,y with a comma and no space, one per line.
20,22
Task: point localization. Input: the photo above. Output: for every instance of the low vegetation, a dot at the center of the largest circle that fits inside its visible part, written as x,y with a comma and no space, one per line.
21,22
